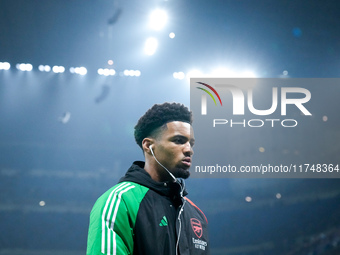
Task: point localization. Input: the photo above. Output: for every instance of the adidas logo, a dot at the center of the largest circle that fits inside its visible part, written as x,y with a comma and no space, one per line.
164,222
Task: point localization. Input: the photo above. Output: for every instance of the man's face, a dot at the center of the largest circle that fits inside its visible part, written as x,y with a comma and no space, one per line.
173,148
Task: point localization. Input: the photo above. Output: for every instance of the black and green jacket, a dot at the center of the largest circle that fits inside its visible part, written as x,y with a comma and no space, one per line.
142,216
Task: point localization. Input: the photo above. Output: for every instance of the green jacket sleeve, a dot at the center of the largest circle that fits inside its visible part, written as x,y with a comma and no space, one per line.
112,220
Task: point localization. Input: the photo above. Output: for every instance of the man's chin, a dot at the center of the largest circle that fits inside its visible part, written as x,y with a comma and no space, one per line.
182,173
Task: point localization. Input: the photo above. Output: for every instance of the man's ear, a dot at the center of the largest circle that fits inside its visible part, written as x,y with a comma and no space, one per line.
146,143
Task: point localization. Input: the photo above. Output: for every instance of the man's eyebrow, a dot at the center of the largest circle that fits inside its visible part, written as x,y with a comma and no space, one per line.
180,136
192,140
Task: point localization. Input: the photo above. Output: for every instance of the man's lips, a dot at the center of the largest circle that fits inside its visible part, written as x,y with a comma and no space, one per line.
187,161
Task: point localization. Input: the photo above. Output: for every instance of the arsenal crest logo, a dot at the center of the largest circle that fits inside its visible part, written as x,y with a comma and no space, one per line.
196,227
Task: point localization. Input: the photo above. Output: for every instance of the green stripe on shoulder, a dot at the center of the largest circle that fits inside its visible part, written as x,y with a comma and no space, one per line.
117,210
133,198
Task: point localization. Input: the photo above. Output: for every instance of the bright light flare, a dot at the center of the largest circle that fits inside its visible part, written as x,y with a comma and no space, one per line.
29,67
248,199
80,70
47,68
5,66
106,72
136,73
248,74
151,46
24,67
44,68
178,75
223,72
58,69
158,19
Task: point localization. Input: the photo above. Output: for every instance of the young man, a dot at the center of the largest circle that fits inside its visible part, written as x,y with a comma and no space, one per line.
147,211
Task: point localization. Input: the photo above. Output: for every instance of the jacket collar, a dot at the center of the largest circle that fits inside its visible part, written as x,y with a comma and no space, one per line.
137,174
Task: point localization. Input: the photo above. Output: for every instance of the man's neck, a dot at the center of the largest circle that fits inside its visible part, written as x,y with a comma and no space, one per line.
157,173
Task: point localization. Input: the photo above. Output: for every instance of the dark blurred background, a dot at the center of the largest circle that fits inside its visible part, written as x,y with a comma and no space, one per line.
65,138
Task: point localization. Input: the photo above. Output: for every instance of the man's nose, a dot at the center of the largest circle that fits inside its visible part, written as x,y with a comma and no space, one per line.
188,149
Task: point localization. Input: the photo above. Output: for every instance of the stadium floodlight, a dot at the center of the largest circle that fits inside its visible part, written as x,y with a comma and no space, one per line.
29,67
58,69
112,72
223,72
47,68
106,72
24,67
158,19
126,72
5,66
44,68
248,199
178,75
136,73
151,45
80,70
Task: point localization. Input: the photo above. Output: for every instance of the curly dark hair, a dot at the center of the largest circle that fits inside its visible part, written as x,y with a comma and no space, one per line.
157,116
